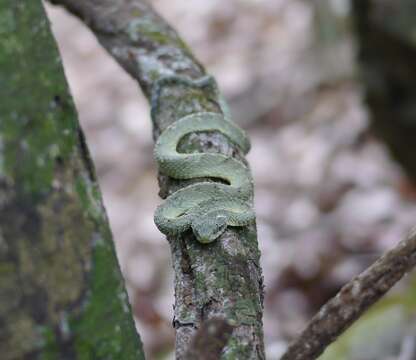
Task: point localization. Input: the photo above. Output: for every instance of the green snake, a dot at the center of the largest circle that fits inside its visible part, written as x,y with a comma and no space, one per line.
205,207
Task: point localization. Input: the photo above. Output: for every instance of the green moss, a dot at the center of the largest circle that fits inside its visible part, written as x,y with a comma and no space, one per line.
245,312
145,27
110,310
37,111
157,36
90,197
50,346
7,21
235,349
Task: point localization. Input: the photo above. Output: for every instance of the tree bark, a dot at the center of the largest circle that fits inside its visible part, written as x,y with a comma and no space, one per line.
219,280
61,291
387,54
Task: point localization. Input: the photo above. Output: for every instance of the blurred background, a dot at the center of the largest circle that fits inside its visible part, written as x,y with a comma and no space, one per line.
328,195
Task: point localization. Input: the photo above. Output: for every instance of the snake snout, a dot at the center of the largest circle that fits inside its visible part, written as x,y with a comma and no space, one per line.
209,227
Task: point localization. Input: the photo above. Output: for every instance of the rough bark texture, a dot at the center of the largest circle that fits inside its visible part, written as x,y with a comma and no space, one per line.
387,53
353,300
222,279
61,291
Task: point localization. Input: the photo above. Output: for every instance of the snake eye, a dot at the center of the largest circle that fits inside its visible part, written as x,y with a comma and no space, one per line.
220,220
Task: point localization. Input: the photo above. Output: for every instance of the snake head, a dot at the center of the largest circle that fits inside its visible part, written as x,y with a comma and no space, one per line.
209,227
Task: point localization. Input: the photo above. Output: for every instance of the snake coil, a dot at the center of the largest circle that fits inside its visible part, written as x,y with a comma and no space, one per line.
205,207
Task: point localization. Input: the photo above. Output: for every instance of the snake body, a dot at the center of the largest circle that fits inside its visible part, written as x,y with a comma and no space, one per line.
205,207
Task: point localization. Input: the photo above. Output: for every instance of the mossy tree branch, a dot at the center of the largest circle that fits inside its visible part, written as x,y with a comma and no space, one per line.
222,279
61,290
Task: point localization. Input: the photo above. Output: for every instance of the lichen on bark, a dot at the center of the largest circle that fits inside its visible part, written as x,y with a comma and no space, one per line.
61,291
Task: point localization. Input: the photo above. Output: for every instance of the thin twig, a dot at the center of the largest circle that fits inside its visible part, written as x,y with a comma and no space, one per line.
353,300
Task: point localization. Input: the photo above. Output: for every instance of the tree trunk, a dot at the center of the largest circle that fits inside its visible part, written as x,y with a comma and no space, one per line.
387,54
61,291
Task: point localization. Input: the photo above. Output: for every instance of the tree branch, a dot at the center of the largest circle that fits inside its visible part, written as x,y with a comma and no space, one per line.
222,279
353,300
